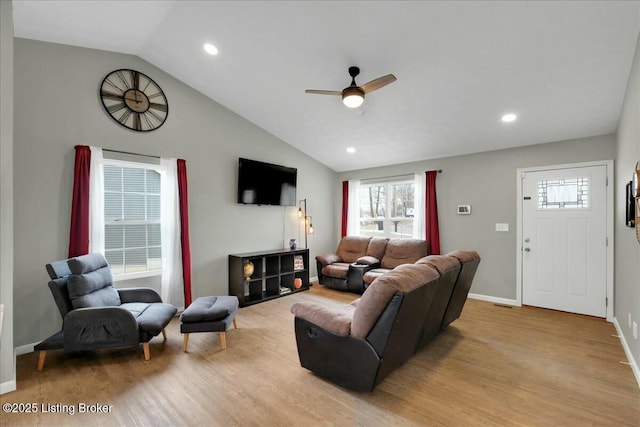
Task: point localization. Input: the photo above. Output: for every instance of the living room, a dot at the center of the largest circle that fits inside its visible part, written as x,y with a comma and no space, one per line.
50,105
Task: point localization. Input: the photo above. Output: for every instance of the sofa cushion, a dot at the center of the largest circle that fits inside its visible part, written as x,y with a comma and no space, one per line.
404,278
441,263
339,270
464,256
403,251
377,246
367,260
373,274
209,309
352,247
327,259
91,289
151,317
334,319
87,263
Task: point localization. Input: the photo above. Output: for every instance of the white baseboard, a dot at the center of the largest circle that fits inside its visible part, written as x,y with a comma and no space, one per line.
8,386
24,349
496,300
627,351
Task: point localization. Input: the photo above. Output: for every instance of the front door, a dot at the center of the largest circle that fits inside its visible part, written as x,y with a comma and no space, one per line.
564,239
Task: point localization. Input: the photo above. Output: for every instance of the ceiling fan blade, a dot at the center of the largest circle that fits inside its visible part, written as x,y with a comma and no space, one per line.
378,83
324,92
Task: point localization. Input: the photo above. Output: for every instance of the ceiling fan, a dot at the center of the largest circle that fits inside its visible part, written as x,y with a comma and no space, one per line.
353,96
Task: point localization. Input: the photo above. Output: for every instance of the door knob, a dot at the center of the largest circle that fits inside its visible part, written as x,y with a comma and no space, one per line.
527,240
527,249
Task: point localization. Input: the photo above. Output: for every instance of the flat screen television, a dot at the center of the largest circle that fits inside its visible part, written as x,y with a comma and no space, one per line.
261,183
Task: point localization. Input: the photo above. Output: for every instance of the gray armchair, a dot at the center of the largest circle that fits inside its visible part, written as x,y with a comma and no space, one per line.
96,315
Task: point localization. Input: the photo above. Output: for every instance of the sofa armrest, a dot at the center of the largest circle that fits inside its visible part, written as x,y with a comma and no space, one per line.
345,360
138,295
331,318
373,262
92,328
327,259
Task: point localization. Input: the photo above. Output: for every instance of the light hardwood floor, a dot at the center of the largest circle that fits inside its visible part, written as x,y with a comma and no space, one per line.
493,366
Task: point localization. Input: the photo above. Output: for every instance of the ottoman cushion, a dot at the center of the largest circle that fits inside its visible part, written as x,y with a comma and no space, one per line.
209,309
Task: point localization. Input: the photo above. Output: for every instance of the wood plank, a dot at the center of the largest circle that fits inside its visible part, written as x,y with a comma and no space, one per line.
493,366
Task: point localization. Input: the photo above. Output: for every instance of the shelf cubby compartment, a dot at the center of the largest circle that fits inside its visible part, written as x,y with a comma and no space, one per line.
272,270
304,276
272,286
286,280
255,289
272,265
286,263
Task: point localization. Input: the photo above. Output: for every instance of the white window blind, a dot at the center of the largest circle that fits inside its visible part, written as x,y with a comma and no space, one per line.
132,217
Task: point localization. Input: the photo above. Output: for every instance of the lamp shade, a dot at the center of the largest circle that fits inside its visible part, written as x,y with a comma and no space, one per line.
353,97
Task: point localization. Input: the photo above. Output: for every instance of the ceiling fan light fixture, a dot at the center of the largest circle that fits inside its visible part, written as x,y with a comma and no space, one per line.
353,97
210,49
510,117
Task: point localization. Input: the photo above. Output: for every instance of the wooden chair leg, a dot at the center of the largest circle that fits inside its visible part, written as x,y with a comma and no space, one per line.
145,348
41,358
185,342
223,340
164,333
235,324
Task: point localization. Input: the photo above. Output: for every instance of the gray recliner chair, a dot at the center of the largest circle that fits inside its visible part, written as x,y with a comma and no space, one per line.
96,315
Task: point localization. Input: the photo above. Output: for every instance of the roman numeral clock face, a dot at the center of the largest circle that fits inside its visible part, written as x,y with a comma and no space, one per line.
134,100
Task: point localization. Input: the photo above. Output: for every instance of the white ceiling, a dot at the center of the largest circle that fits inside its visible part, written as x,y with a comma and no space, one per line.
561,66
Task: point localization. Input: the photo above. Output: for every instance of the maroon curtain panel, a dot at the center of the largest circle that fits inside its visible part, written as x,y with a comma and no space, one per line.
431,213
345,207
184,230
79,228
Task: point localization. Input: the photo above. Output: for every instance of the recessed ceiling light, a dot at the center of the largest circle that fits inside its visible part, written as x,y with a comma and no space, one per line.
507,118
351,150
210,49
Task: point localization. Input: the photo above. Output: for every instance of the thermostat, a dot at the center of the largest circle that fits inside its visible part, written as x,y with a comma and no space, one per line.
464,209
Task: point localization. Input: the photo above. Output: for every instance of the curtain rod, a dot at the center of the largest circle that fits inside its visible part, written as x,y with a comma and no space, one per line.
406,175
130,153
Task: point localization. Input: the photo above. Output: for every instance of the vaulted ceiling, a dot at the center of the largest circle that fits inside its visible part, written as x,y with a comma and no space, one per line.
561,66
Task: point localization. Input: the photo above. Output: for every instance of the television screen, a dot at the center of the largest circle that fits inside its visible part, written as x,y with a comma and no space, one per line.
261,183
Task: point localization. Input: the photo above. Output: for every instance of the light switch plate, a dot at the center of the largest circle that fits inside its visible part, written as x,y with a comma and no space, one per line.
501,226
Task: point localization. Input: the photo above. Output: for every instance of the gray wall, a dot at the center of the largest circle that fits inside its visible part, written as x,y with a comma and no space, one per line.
57,107
7,359
487,181
627,269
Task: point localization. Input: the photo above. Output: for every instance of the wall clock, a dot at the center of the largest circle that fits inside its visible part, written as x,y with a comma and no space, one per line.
134,100
635,188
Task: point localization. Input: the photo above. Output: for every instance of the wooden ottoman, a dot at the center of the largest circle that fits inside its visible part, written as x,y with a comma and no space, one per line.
209,314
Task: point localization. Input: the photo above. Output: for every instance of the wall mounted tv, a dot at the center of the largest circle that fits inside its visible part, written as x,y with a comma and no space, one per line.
261,183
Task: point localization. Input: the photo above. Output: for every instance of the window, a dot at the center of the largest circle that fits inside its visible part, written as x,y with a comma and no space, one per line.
387,209
132,217
571,193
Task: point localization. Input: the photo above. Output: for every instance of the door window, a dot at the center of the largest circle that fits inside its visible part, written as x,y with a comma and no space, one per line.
568,193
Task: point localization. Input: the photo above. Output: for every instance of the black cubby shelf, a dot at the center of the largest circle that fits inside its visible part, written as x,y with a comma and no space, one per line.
274,274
